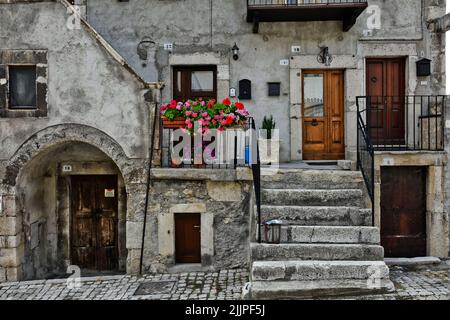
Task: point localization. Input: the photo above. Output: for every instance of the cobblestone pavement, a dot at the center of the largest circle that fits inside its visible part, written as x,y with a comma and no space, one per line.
428,284
223,285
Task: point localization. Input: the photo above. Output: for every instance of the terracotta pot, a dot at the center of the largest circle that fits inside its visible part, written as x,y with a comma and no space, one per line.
178,122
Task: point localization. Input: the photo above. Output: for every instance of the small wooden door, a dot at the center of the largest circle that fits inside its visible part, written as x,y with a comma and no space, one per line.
94,206
385,87
403,211
323,115
187,238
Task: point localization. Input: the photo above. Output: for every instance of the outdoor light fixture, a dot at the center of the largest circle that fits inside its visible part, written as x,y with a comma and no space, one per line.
235,50
142,49
324,56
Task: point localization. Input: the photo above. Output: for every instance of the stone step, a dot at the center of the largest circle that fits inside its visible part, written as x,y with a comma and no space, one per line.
321,234
302,251
291,290
310,197
318,216
313,179
318,270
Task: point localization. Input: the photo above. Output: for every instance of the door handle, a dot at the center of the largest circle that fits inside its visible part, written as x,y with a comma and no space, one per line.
314,123
197,227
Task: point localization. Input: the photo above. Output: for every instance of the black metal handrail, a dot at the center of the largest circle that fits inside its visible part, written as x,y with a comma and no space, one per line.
366,159
299,3
256,170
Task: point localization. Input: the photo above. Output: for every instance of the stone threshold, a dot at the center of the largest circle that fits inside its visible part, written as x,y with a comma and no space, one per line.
419,261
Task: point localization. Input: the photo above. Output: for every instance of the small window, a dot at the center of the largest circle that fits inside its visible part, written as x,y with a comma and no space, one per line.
193,82
22,87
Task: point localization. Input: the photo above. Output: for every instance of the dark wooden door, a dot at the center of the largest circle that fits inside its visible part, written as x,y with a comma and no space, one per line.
385,87
323,115
94,222
403,211
187,238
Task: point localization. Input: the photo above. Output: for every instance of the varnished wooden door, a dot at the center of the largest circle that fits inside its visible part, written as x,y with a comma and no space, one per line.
94,222
323,115
403,211
187,238
385,88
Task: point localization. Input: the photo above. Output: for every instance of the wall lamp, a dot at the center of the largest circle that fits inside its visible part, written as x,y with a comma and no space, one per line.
235,51
324,56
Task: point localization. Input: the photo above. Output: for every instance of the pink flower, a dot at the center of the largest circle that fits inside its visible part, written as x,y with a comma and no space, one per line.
190,125
216,117
188,113
203,103
195,115
163,108
187,104
178,107
204,114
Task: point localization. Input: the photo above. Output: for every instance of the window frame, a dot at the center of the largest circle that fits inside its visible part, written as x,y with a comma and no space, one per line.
8,79
38,58
186,92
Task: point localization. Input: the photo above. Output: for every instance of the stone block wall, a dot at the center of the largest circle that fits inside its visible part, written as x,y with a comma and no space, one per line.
221,198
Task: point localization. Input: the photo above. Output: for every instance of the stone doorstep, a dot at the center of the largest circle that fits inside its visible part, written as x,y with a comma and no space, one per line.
311,197
330,234
318,216
283,252
263,290
318,270
419,261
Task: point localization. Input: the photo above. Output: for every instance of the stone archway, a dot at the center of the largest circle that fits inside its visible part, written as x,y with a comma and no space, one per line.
23,221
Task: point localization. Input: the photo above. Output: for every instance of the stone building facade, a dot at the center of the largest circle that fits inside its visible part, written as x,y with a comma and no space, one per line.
98,84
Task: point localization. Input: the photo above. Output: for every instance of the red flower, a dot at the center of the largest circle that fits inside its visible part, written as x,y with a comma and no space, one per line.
229,120
226,101
240,106
173,104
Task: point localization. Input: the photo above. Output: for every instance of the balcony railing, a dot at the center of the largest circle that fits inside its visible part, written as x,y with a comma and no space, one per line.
346,11
406,123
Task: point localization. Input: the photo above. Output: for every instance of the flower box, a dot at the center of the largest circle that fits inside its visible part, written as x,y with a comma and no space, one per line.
176,123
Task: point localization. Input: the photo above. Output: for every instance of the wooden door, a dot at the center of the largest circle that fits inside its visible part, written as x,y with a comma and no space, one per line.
187,238
323,115
385,87
403,211
94,222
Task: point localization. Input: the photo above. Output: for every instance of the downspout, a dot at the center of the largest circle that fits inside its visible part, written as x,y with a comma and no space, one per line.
147,194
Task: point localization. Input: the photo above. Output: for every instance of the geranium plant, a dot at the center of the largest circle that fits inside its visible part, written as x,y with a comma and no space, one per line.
208,114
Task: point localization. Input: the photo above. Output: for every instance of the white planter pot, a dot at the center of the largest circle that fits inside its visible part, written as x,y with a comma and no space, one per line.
269,150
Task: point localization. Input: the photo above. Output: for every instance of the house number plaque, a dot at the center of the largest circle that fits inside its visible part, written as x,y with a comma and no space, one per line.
109,193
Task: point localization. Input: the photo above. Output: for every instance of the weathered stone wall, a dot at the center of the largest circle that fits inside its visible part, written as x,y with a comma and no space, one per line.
221,197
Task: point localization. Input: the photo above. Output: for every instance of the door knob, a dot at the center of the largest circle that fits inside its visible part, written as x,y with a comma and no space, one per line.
197,227
314,123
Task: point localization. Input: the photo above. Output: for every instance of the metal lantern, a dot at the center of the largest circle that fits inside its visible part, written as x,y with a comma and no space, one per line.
272,231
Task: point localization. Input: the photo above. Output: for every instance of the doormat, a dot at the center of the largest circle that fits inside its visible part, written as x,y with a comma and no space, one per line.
155,288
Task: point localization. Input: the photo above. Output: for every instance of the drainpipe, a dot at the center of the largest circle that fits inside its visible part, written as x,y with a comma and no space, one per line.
148,95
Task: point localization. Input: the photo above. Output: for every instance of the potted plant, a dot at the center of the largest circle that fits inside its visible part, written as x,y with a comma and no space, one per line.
269,145
199,116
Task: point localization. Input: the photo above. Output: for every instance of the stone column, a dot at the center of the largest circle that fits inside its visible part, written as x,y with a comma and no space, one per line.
11,241
437,218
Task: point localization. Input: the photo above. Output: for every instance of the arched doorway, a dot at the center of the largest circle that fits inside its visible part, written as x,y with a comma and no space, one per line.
60,221
72,200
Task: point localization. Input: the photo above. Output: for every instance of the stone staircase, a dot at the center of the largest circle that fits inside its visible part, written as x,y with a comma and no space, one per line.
328,245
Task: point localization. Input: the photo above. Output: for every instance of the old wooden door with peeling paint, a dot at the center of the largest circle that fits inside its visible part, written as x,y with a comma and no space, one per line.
94,207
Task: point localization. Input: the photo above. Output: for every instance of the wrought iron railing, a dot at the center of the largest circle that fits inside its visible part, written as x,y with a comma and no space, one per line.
284,3
404,123
366,158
